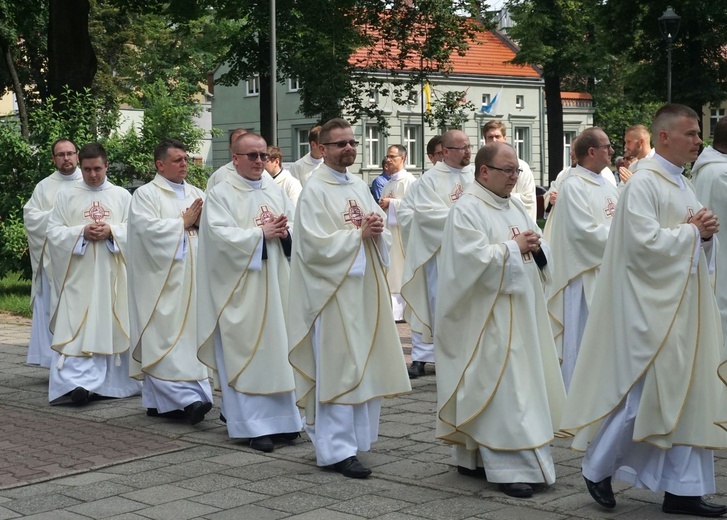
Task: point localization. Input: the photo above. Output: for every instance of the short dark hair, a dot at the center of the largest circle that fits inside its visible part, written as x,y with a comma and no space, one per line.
587,139
333,124
720,133
495,124
433,143
92,151
275,153
62,140
484,156
162,149
401,150
313,134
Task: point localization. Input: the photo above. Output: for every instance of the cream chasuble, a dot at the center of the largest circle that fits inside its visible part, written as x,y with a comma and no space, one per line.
161,264
89,304
423,214
498,379
246,299
220,175
35,217
360,354
709,175
395,190
657,323
291,186
524,190
578,230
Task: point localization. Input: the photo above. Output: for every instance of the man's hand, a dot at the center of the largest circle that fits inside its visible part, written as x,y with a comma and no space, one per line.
553,197
384,203
96,232
624,174
706,223
277,228
528,241
372,225
192,214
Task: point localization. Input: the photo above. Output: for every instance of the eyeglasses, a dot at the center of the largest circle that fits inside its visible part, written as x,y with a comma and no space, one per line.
464,148
604,146
507,171
253,156
342,144
437,153
64,154
392,157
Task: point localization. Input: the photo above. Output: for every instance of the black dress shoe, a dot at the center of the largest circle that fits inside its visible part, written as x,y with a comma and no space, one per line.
286,437
351,467
517,489
196,411
263,443
79,395
174,414
479,472
697,506
602,492
223,418
416,369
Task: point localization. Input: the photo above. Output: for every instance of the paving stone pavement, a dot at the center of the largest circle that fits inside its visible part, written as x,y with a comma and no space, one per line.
204,474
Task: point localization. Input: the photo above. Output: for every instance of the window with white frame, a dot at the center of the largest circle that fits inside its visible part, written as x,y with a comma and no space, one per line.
412,141
521,142
520,102
252,86
485,99
413,98
715,114
373,146
568,138
302,147
293,84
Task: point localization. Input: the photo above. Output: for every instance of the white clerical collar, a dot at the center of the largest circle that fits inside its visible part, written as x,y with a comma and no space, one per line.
452,168
255,185
177,187
672,169
105,185
340,177
595,176
71,176
396,176
316,161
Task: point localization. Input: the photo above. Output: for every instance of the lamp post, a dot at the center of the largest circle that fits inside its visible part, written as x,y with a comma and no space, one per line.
669,26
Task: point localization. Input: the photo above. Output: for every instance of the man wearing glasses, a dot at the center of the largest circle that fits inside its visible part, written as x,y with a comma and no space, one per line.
392,194
35,215
577,233
421,217
499,388
242,293
344,344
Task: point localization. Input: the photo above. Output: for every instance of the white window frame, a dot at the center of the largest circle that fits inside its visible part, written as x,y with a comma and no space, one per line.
486,99
302,146
412,141
252,86
521,142
520,101
568,138
293,84
373,143
715,114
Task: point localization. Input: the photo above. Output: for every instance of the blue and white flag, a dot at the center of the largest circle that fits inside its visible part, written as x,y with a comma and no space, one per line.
491,108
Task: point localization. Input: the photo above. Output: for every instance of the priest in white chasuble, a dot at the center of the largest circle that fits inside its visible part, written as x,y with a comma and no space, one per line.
648,401
227,170
242,286
577,232
163,223
35,217
345,348
89,317
391,197
709,175
422,217
499,388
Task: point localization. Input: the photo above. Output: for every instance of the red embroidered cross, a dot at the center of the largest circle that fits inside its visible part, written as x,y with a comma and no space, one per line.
354,215
610,207
96,212
515,231
265,216
457,193
690,213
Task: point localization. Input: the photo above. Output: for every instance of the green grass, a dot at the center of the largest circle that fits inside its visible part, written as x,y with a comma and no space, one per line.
15,295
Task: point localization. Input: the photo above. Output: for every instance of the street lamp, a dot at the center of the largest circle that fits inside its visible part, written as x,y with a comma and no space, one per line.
669,26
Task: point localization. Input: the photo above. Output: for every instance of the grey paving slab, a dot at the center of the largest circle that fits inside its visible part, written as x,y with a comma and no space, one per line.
160,494
248,511
325,514
298,502
228,498
368,506
106,507
5,514
56,515
276,486
178,510
40,503
96,491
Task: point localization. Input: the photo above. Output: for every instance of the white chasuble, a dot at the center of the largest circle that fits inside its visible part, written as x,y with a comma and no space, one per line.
709,175
243,296
290,185
360,354
395,190
424,212
90,307
498,378
578,230
161,265
657,322
524,189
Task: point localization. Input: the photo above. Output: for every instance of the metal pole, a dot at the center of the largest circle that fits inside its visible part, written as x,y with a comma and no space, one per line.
273,78
668,69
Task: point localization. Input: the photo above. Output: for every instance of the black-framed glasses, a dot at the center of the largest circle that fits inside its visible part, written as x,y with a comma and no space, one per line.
507,171
342,144
253,156
392,157
65,154
460,148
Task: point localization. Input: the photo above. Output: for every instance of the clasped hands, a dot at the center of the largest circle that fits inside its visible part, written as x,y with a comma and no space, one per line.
276,228
706,223
97,232
528,241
